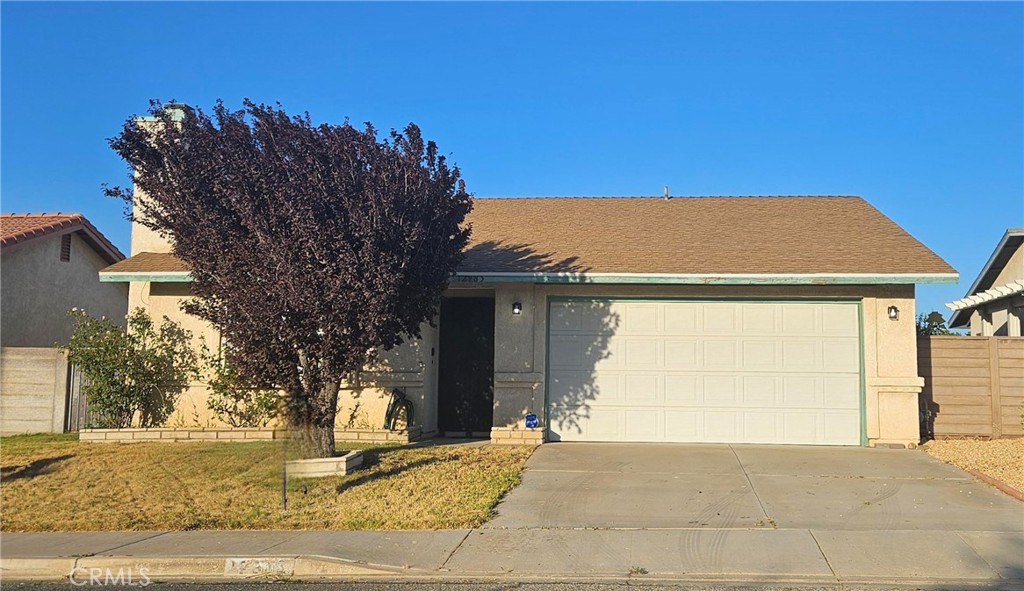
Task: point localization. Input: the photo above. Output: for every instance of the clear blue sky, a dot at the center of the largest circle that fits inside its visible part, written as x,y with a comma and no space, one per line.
918,107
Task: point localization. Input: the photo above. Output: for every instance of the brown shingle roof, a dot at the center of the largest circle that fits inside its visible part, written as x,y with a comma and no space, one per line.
682,235
19,228
692,235
149,262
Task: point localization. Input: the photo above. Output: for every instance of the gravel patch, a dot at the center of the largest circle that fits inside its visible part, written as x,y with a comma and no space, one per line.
1002,459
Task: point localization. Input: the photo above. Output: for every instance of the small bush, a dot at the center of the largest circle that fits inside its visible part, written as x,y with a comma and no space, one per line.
232,397
133,374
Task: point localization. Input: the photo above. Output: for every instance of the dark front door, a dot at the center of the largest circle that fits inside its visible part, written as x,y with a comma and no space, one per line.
466,366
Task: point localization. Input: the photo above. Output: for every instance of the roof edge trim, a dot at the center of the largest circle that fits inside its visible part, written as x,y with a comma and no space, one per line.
650,278
708,279
152,277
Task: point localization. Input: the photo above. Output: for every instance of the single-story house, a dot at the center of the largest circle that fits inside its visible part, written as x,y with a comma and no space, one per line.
994,305
693,319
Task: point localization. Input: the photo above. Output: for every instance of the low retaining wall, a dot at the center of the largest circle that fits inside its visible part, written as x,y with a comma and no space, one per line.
517,436
235,434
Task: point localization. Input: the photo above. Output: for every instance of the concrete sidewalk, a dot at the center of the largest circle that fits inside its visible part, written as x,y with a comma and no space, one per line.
938,559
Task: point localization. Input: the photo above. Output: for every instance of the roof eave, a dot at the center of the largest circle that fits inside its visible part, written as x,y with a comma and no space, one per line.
622,278
708,279
955,320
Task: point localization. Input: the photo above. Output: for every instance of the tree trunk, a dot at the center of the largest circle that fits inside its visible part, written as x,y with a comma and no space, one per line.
312,430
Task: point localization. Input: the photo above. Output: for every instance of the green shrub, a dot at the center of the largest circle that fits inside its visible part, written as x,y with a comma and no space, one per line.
232,397
130,376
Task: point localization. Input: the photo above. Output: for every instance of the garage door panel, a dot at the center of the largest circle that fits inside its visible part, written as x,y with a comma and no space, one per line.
759,319
682,390
720,319
760,354
761,427
566,352
640,319
643,424
720,391
683,425
642,353
840,320
801,355
802,391
706,371
680,319
798,319
641,388
841,426
681,354
841,392
721,425
840,355
719,354
801,427
760,391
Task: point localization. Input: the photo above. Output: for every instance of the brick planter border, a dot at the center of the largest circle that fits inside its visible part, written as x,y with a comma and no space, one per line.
237,435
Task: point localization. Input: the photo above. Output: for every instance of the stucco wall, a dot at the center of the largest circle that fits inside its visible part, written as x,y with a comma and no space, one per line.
890,356
37,289
165,299
890,349
411,367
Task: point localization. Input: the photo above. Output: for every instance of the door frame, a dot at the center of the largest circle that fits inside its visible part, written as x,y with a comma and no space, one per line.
464,294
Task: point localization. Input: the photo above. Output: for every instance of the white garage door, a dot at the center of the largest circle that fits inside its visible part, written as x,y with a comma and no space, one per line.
726,372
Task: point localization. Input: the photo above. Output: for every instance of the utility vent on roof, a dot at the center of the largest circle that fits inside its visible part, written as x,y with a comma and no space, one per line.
65,248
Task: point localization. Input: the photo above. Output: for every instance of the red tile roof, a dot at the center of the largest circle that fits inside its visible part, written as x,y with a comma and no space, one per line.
19,228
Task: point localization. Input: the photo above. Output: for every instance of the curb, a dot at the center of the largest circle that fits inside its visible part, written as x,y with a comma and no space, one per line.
1006,488
126,569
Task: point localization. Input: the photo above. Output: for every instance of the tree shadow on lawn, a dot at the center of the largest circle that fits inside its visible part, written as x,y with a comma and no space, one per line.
32,469
372,458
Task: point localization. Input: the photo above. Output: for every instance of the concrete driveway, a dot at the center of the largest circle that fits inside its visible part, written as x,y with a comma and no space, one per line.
780,512
750,486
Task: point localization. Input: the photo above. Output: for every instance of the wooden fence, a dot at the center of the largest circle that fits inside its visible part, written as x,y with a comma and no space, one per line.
973,386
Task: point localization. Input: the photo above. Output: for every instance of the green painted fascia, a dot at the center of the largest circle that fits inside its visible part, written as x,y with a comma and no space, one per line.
547,370
544,278
576,278
155,277
863,380
752,299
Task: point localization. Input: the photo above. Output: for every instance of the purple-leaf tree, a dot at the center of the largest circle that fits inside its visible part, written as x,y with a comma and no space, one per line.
311,246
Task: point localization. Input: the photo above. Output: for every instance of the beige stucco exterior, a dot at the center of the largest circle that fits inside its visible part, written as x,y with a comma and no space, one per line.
890,349
37,289
891,379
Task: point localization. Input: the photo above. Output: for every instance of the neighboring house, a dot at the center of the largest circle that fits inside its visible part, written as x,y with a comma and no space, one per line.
994,305
50,264
696,319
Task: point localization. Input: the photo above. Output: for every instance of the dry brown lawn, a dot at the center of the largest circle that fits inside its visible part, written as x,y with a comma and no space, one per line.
55,483
1002,459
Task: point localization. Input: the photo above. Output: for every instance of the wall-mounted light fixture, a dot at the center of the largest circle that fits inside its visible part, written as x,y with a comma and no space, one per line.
517,308
894,313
